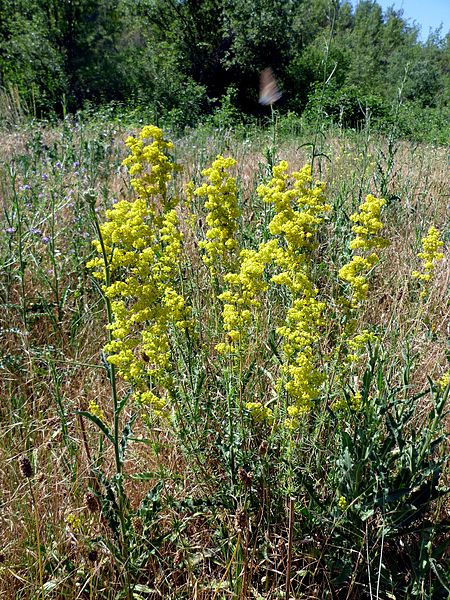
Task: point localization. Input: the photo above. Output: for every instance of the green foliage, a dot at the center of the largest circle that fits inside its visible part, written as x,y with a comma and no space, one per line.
178,60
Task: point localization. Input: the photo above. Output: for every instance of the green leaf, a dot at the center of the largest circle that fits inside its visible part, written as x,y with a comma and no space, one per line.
103,428
145,476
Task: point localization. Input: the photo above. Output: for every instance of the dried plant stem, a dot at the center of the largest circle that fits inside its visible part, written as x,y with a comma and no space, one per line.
38,539
290,540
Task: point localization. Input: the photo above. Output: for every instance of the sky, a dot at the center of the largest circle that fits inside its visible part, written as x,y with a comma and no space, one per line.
427,13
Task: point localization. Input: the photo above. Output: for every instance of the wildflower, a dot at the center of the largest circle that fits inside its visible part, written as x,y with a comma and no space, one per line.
444,381
354,402
359,342
10,230
299,210
342,503
45,239
74,522
243,294
142,242
431,245
367,228
260,413
95,409
223,213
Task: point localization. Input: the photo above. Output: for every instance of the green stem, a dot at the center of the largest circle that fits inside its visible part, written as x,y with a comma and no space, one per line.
115,400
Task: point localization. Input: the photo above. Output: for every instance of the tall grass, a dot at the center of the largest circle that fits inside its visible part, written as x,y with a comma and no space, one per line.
209,502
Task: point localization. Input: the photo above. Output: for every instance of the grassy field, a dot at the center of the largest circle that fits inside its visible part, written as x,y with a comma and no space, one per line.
292,447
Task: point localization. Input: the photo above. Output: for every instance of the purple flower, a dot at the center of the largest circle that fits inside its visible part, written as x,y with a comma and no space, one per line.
26,187
76,164
10,230
58,165
45,239
76,173
36,231
44,176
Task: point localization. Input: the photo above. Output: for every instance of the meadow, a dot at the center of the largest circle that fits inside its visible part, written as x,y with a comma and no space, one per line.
223,379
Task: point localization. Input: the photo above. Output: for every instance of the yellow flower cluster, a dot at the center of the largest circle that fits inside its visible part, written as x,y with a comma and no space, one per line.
341,404
243,294
223,214
260,413
299,210
444,381
74,521
431,245
153,182
367,228
298,207
97,411
358,343
342,503
141,244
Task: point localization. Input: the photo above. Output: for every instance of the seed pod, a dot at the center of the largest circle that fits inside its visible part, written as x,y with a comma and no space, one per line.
91,502
245,476
240,520
92,556
25,467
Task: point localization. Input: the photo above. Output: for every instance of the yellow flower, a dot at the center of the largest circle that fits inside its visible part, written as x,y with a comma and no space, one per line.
444,381
259,412
431,245
74,522
95,409
367,228
142,243
299,210
342,503
243,295
223,214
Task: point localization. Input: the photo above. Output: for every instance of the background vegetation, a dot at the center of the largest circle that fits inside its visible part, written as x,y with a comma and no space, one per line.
179,61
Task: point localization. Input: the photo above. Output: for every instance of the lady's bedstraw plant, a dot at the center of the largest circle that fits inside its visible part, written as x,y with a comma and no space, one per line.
430,255
220,245
367,228
140,245
299,210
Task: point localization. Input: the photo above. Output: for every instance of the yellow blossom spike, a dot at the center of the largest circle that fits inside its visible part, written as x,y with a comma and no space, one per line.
430,255
142,242
367,228
223,214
